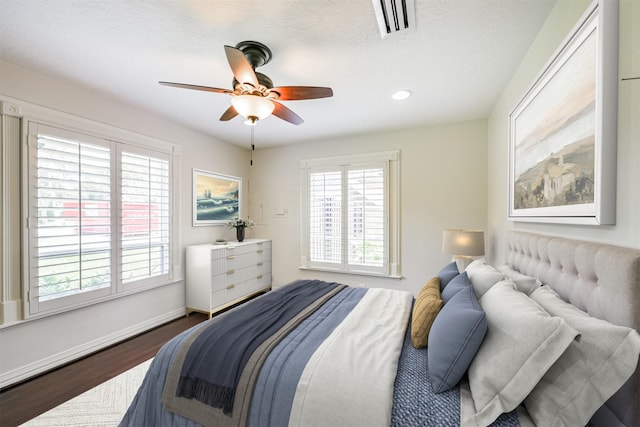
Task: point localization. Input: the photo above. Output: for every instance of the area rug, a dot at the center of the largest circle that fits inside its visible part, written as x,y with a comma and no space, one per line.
103,405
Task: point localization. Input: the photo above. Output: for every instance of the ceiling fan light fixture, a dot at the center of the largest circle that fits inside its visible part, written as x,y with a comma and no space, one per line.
252,107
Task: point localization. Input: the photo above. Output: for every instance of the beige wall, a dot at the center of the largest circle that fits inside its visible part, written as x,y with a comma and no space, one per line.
626,231
443,185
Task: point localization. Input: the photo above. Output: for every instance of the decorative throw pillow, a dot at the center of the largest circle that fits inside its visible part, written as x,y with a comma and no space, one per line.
425,310
455,337
447,273
458,283
521,344
524,283
483,276
588,373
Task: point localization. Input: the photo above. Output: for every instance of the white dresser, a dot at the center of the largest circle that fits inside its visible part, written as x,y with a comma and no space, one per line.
219,276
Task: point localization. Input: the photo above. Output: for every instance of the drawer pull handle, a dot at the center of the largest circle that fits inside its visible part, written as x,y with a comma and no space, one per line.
259,264
230,287
231,257
259,277
259,243
259,251
231,272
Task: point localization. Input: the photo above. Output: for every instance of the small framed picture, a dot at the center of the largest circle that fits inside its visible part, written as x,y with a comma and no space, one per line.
216,198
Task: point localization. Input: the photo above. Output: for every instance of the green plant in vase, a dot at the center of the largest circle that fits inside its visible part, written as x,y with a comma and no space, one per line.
240,225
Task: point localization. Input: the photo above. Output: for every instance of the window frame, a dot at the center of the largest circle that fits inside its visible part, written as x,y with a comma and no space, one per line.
391,160
118,140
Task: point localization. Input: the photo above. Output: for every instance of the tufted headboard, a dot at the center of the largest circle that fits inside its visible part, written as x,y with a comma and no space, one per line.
602,280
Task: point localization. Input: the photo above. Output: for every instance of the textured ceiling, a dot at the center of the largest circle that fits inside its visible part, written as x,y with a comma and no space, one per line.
456,61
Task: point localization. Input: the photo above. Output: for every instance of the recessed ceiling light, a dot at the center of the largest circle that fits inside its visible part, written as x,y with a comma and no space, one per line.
401,94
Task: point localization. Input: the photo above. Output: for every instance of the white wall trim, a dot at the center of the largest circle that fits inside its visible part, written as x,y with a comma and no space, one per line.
50,116
71,354
10,230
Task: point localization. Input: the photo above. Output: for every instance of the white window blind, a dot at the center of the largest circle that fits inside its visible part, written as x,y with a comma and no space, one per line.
345,224
71,218
367,216
99,218
144,217
325,217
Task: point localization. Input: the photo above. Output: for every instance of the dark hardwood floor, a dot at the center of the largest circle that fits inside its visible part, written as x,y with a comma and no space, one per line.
24,401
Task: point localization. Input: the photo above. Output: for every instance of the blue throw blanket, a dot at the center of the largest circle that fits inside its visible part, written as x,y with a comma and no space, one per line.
216,358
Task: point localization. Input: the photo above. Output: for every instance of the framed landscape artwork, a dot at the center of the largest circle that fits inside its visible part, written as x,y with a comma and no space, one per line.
562,134
216,198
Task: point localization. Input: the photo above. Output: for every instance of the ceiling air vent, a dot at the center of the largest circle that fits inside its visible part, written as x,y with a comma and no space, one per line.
394,16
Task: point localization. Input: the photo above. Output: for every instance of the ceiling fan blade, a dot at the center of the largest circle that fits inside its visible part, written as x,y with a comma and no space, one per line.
286,114
196,87
242,69
290,93
229,114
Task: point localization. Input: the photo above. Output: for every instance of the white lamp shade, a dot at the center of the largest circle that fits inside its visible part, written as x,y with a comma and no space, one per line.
463,242
252,106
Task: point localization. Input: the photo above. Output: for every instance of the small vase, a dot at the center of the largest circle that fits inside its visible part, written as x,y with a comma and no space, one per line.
240,233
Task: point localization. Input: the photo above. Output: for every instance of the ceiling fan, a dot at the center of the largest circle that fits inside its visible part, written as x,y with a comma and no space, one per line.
253,95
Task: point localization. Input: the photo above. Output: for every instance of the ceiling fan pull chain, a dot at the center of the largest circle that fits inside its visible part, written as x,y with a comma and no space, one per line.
253,147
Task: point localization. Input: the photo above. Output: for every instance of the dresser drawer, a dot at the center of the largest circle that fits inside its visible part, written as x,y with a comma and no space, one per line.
238,249
263,267
263,280
231,262
232,276
236,259
255,258
236,290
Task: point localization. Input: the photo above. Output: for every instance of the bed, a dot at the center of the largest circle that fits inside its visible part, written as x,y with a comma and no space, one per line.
547,339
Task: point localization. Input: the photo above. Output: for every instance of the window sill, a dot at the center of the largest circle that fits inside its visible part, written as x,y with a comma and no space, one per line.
351,273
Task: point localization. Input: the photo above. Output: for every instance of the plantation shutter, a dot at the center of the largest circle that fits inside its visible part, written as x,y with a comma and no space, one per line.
367,217
144,216
325,216
347,217
70,217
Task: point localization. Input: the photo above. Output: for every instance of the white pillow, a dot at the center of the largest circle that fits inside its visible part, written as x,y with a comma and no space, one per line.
524,283
482,276
589,372
521,344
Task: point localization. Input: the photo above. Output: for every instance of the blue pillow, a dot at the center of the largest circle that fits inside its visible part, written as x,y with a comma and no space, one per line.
447,273
456,284
454,339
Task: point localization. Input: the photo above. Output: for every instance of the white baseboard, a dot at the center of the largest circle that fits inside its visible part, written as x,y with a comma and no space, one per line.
69,355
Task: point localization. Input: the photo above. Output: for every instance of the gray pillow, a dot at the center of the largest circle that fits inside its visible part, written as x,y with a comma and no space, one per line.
483,276
524,283
447,273
458,283
521,344
454,339
589,372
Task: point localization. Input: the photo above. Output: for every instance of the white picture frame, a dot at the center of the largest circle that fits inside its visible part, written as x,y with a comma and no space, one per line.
563,132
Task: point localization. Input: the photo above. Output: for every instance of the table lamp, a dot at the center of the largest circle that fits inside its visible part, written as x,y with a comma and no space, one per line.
463,245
